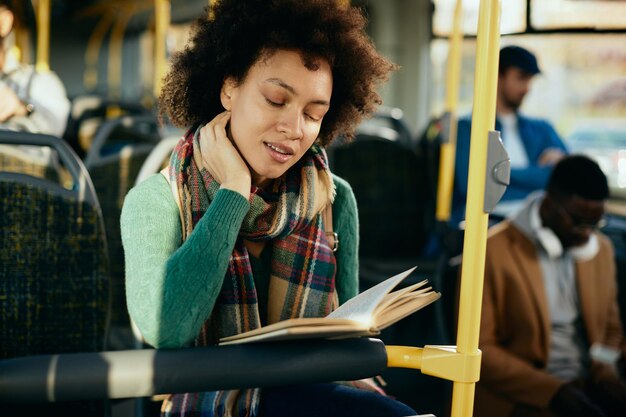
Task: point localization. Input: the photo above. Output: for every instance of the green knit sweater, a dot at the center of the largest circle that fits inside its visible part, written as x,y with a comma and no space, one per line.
171,288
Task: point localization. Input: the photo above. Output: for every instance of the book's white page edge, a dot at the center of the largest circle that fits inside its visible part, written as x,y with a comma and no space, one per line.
304,322
305,332
362,307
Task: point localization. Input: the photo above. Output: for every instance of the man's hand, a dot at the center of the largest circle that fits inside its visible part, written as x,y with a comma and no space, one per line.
10,104
570,401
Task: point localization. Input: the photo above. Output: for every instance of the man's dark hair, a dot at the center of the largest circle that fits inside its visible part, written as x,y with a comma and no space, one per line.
7,4
577,175
244,31
518,57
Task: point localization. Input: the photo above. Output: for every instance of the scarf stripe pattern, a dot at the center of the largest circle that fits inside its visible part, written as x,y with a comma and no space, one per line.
303,266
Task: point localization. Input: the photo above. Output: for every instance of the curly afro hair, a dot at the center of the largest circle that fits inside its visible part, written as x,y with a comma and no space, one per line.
244,31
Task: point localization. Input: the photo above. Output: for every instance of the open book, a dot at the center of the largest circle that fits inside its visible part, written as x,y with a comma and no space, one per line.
364,315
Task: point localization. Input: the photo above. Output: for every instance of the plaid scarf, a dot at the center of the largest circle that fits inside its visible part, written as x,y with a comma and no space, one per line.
302,279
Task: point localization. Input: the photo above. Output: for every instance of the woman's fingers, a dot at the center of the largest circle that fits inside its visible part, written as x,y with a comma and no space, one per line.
220,122
221,158
217,126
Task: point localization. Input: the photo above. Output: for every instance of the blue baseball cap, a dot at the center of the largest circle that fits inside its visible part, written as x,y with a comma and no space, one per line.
516,56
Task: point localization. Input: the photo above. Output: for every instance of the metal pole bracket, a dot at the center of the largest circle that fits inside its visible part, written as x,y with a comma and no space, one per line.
498,171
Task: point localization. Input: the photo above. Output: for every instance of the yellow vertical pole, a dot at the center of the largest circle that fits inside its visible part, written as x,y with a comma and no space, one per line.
22,49
43,35
116,49
474,245
161,23
448,148
22,44
92,53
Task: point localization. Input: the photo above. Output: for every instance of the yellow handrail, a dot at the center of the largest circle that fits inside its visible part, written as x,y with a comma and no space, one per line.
461,363
474,245
92,53
448,148
162,22
43,35
116,46
21,49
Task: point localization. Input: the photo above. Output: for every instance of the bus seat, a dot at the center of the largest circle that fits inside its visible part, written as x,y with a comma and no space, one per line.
428,145
390,186
36,161
54,285
388,122
88,112
118,151
158,158
387,179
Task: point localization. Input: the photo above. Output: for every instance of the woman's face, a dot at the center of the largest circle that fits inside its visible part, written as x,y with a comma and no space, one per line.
277,112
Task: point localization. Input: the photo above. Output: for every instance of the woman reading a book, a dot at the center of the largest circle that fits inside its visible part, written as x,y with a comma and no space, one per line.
230,236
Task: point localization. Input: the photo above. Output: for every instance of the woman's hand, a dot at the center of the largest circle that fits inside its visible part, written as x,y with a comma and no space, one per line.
221,158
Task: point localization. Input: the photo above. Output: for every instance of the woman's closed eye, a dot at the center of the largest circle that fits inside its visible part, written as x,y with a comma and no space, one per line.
274,103
312,117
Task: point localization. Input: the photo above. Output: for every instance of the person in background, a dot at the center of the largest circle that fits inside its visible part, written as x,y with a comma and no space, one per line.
551,339
231,236
30,100
532,144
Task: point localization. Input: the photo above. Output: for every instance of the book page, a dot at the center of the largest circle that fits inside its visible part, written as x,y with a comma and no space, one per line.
295,329
392,297
354,318
404,306
307,322
362,307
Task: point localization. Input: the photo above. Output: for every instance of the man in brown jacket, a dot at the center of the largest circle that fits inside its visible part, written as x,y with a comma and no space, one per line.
551,336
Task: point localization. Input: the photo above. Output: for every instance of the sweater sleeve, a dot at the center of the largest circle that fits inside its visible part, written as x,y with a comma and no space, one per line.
171,288
346,225
538,136
51,105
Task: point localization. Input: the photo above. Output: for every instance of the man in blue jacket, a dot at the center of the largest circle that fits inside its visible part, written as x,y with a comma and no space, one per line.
532,144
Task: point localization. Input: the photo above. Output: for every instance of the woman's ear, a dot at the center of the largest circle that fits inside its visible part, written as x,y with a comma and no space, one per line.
6,23
226,94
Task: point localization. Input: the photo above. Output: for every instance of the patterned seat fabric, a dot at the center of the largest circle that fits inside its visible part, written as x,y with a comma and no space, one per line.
388,182
54,274
54,282
12,160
